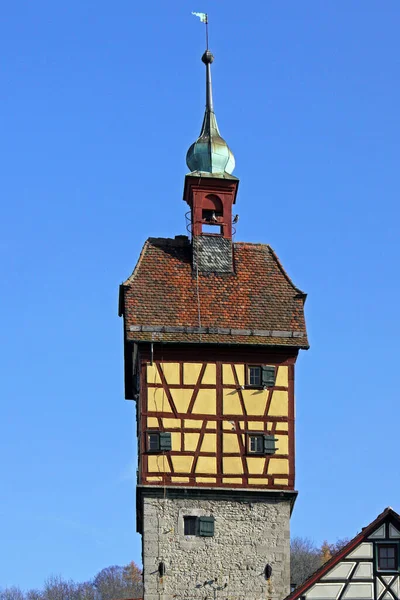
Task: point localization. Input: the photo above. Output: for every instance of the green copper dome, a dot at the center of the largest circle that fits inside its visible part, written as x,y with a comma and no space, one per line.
210,153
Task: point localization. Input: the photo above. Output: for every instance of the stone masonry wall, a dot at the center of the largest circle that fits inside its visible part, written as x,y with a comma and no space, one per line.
247,536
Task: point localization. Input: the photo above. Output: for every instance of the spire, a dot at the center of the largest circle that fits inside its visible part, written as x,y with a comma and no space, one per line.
210,153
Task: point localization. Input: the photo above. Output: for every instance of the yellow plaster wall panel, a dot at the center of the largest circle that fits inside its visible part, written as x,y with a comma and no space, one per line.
227,375
180,479
255,401
240,373
175,440
281,481
206,480
209,443
191,372
279,404
258,481
232,480
210,375
256,426
211,425
206,464
282,444
181,398
193,423
191,441
159,478
158,463
255,465
232,464
171,423
230,443
182,464
283,426
157,400
282,376
278,466
152,374
228,426
171,372
231,403
206,402
152,422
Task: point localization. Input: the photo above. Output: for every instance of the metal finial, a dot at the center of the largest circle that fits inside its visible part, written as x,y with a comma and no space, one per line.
207,59
210,153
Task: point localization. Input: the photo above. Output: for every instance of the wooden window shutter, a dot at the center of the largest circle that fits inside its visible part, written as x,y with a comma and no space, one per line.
269,444
206,526
268,376
165,441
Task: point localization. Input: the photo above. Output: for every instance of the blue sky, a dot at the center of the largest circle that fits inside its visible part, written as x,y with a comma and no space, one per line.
100,102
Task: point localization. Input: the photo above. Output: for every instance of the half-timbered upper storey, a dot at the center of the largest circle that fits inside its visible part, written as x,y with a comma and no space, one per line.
367,568
207,418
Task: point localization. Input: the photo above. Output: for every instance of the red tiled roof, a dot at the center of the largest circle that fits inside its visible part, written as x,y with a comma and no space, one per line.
258,304
366,531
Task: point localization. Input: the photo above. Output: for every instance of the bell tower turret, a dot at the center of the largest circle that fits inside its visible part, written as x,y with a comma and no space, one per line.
210,190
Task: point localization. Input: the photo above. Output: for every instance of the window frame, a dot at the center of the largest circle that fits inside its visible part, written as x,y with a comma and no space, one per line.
263,435
261,386
194,521
255,434
385,546
159,449
155,434
248,376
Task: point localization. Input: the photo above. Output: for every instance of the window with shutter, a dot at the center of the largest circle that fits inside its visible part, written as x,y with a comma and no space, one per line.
259,443
268,376
158,441
206,526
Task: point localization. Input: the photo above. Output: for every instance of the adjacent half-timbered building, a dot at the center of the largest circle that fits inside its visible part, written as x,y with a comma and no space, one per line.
212,330
367,568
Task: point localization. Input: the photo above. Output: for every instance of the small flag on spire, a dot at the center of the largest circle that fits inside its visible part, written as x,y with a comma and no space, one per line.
202,16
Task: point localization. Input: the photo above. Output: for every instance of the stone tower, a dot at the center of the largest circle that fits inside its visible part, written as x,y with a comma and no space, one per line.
212,330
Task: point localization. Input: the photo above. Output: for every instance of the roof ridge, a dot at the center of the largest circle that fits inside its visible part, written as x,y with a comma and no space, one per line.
250,244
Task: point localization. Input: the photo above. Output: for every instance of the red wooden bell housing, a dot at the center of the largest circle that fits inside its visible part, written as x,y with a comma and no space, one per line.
211,200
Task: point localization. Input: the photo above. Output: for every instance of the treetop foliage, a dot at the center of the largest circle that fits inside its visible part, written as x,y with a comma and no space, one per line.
112,583
306,557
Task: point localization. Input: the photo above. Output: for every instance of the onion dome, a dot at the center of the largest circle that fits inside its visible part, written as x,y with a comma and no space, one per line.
210,153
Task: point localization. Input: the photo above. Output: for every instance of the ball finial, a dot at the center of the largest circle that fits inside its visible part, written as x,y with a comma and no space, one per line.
207,57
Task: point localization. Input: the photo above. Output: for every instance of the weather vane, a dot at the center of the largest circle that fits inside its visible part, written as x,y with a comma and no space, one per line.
204,19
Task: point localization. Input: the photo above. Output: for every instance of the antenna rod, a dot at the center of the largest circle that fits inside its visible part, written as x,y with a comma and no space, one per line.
206,32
